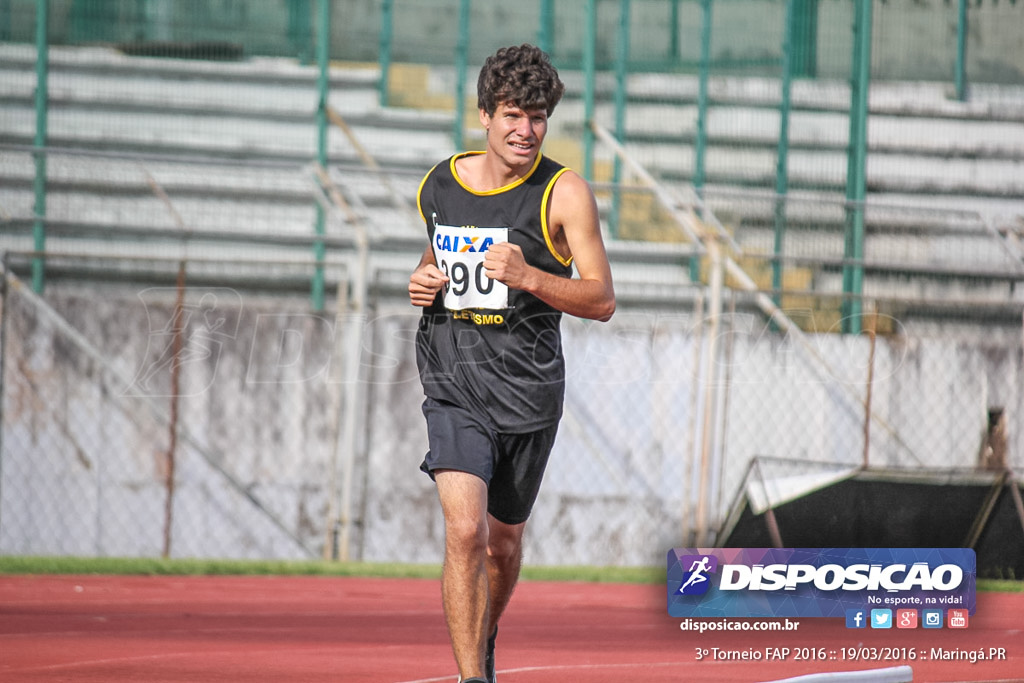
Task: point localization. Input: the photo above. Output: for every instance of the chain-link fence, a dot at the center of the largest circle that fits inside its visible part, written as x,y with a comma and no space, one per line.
256,463
915,41
230,417
104,456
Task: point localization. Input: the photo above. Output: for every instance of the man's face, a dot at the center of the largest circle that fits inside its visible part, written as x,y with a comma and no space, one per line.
515,135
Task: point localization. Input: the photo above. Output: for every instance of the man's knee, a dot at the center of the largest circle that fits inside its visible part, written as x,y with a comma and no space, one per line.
466,533
505,542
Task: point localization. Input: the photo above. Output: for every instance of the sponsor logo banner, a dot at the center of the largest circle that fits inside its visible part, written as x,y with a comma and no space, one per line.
819,582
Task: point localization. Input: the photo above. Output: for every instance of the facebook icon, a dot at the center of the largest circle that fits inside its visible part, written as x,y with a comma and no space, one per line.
856,618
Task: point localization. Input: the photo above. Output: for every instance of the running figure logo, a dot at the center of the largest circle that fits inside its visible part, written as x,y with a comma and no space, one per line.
696,581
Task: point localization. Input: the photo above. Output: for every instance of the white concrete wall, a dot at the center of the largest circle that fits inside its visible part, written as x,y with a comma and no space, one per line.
83,460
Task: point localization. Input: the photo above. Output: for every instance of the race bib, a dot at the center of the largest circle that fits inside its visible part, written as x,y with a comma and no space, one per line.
459,253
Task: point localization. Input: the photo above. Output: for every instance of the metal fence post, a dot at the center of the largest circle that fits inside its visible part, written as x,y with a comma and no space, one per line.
546,26
39,144
621,98
674,50
716,283
804,56
323,54
461,69
5,19
960,69
782,154
589,83
701,141
387,12
5,313
700,144
350,323
354,398
298,29
856,181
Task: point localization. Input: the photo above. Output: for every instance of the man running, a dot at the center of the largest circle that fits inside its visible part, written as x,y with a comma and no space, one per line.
505,226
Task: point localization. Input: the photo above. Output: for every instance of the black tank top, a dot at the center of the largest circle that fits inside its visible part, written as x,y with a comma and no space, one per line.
498,358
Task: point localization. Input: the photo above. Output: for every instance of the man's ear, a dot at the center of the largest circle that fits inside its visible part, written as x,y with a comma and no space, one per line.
485,119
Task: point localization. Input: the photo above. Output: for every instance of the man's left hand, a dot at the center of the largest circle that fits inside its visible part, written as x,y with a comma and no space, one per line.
505,263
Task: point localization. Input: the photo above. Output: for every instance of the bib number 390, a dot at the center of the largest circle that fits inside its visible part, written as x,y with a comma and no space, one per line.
459,253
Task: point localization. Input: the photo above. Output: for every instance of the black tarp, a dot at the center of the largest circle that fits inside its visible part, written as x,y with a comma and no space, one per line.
894,509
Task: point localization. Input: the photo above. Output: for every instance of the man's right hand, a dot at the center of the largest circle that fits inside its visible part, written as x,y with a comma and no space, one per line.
424,284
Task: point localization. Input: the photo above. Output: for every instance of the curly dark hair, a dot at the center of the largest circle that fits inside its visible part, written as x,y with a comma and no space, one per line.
521,75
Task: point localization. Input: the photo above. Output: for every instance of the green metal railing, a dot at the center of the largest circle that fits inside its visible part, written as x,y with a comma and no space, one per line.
792,53
856,176
960,70
323,56
387,14
621,101
461,70
42,118
705,39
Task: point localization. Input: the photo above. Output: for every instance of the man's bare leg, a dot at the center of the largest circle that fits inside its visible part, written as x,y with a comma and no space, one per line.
504,560
464,578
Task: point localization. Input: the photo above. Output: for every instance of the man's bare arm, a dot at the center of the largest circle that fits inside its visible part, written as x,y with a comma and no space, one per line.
591,295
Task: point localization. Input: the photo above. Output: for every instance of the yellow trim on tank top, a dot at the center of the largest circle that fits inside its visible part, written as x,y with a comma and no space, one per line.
565,261
419,193
515,183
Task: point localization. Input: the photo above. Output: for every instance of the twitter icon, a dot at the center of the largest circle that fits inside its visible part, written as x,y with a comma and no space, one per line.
881,618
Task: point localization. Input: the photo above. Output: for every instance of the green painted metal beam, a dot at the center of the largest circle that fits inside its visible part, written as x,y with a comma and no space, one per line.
39,143
298,29
546,26
323,59
960,69
700,146
589,83
782,151
461,71
621,99
674,47
387,13
804,21
856,174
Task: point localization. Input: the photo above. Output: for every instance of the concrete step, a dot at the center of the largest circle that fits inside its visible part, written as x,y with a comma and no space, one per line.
102,99
229,143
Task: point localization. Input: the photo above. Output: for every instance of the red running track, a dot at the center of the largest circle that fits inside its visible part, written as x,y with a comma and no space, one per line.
311,629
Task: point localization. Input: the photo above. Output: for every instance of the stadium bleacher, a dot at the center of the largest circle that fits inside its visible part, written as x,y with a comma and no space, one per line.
231,143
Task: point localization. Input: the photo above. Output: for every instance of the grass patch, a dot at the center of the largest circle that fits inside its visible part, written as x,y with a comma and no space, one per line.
595,574
206,567
1000,586
145,566
202,567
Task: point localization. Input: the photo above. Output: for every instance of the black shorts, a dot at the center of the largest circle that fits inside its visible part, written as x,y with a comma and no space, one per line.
512,465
